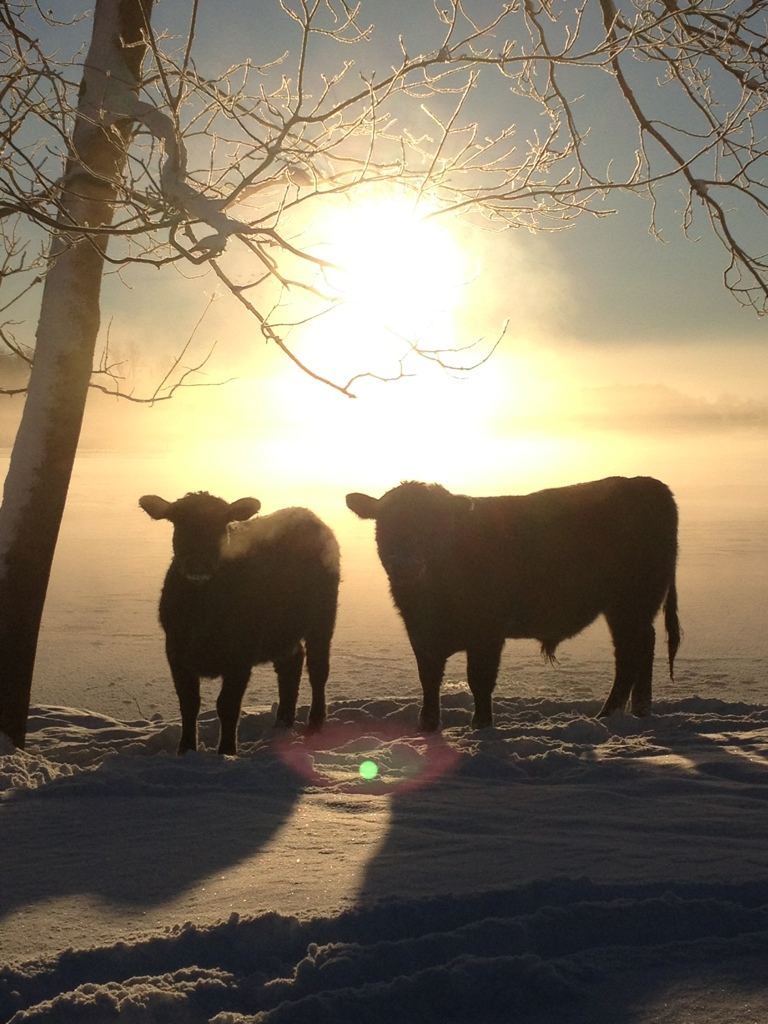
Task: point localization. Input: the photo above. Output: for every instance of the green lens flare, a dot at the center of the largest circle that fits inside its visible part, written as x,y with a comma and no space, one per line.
369,770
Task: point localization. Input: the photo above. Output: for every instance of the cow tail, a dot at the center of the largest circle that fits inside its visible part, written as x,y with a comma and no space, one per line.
672,626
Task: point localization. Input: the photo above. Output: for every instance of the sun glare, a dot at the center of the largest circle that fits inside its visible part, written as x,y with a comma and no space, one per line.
411,304
399,267
410,290
397,276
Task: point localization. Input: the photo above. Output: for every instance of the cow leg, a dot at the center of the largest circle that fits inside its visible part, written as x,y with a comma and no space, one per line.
318,668
288,669
642,688
431,668
187,686
228,705
482,669
317,644
633,647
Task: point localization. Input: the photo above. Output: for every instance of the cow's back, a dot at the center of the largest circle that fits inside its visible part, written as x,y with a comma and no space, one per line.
545,565
552,561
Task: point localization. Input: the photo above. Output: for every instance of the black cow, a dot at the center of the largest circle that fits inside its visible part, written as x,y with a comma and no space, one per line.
466,573
239,595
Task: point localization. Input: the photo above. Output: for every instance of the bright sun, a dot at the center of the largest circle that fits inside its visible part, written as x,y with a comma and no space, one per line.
401,267
406,284
398,276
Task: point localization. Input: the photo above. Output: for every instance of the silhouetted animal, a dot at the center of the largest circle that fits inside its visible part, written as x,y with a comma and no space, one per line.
238,595
466,573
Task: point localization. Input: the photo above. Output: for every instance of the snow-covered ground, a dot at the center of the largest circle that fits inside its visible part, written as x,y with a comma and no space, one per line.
555,868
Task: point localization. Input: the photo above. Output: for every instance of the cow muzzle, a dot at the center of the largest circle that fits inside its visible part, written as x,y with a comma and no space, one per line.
405,572
193,572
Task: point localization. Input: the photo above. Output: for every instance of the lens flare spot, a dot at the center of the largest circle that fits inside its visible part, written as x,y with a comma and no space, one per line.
369,770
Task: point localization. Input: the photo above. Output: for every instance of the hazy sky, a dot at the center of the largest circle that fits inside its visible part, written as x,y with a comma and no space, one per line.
604,286
600,306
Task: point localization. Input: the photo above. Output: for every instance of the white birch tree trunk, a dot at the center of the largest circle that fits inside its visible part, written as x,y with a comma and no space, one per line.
44,451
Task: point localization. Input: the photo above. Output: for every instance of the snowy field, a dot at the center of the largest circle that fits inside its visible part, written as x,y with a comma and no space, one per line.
555,868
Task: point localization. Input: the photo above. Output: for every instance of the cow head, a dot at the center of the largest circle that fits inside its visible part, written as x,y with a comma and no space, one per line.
415,527
200,524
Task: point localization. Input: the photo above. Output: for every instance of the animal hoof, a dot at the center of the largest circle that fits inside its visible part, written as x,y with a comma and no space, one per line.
612,709
608,709
482,723
429,724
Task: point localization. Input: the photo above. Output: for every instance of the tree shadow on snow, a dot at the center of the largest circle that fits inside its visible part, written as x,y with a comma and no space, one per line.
141,837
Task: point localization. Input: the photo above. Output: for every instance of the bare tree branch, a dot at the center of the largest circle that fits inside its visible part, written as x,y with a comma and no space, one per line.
227,169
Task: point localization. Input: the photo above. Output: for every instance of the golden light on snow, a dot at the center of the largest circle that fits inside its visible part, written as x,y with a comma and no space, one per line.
320,857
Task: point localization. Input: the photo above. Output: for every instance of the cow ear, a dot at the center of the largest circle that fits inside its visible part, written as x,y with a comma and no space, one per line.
155,506
243,509
363,505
